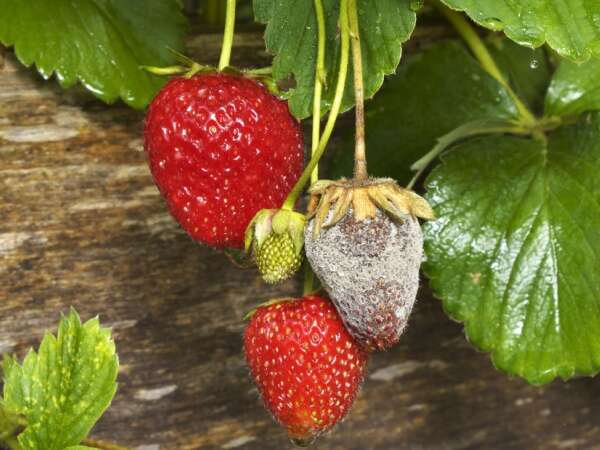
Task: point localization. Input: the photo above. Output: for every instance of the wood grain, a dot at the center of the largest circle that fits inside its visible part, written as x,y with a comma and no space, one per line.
83,225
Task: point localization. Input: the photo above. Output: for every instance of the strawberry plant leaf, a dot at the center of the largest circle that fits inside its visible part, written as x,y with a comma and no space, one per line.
575,88
100,43
291,36
527,70
63,389
10,426
515,253
569,27
429,97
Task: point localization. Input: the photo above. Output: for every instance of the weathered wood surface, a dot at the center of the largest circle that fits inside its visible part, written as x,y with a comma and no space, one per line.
82,225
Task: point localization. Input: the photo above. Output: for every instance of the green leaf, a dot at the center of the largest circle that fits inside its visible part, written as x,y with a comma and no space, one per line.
433,93
64,388
100,43
515,253
80,447
572,28
575,88
11,425
291,35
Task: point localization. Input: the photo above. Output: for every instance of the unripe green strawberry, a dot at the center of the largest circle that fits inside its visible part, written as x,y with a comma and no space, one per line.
276,238
277,259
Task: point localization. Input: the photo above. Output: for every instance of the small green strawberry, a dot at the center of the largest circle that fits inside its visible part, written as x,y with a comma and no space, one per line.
276,238
277,259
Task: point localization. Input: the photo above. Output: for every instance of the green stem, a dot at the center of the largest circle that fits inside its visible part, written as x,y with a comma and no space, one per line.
211,11
260,71
102,445
485,58
469,129
309,279
360,159
228,35
333,114
319,77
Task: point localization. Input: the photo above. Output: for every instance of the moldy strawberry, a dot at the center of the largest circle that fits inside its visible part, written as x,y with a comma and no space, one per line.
364,242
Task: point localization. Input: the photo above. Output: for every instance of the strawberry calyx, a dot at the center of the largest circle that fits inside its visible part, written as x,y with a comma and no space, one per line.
273,301
187,68
277,221
275,238
365,197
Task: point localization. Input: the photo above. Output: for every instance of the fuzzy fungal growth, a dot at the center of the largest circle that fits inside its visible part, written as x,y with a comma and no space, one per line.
370,268
367,260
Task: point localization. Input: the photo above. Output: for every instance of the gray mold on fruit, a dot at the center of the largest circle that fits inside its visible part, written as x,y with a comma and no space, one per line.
370,269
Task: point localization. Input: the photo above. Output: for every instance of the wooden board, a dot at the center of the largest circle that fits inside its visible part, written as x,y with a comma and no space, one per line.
83,225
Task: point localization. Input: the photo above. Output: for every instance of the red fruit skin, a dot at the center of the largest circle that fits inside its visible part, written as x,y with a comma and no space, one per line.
307,367
220,148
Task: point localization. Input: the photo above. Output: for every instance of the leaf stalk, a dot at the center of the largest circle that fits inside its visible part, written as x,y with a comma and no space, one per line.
469,129
360,159
102,445
484,57
333,113
319,80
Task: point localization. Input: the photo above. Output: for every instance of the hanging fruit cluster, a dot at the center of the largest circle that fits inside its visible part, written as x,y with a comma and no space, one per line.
227,156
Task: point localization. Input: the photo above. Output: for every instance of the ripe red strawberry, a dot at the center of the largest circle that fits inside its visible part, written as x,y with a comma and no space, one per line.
221,148
307,367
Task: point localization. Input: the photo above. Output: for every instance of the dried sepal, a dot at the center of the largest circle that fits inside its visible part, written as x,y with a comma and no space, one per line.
366,198
323,209
341,207
362,205
420,207
380,198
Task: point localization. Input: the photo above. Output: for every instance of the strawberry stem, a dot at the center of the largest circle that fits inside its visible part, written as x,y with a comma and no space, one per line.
335,108
228,35
102,445
319,78
213,12
360,159
309,279
484,57
469,129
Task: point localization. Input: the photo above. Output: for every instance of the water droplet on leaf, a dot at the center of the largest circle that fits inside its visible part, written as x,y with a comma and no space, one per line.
493,23
534,64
